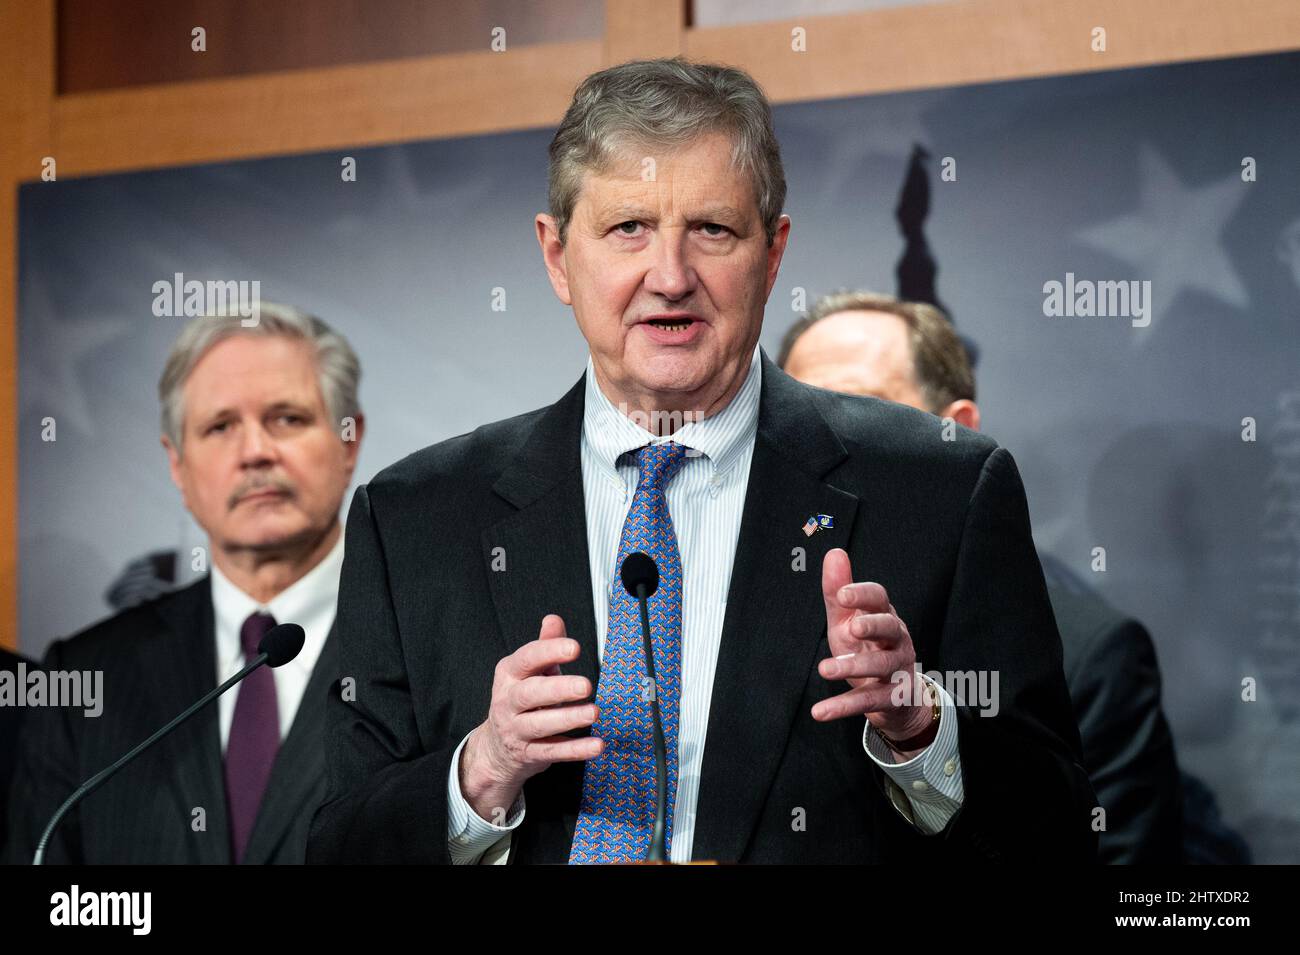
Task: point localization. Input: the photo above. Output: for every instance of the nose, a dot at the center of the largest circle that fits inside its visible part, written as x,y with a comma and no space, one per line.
671,274
257,447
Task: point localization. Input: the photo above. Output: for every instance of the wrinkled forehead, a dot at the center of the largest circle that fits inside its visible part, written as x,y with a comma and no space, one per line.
702,169
247,373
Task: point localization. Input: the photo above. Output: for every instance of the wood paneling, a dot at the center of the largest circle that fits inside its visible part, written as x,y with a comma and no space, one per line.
452,95
638,31
108,44
27,91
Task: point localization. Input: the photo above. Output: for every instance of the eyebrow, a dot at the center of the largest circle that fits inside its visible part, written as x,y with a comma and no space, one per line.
704,214
282,405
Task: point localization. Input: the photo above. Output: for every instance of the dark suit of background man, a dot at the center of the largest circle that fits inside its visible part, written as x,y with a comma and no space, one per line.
866,344
256,433
10,721
479,609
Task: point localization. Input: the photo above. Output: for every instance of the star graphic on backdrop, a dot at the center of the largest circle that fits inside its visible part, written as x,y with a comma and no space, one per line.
53,384
1175,236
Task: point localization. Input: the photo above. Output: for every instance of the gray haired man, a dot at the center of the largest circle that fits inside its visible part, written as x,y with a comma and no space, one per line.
262,427
811,548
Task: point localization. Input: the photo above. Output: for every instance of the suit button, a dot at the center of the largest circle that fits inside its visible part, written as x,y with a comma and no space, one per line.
950,767
920,785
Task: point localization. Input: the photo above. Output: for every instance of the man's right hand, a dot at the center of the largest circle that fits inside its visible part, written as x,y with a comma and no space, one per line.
532,705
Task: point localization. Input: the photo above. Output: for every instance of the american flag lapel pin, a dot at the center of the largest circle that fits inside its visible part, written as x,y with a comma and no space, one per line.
817,522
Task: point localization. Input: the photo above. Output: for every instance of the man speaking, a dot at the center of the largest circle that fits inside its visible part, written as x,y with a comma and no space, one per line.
816,552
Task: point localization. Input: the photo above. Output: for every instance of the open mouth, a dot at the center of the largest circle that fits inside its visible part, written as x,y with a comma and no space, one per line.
672,325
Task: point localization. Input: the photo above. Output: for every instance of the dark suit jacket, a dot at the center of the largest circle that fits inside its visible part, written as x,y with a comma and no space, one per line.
10,723
1114,682
158,658
423,620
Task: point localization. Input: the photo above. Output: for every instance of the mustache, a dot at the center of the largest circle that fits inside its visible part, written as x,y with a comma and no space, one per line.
253,485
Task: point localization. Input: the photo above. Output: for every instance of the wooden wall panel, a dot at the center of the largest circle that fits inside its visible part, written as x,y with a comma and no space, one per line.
26,98
638,31
426,97
108,44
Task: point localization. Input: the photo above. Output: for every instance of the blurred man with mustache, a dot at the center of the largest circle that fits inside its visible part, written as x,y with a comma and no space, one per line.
262,427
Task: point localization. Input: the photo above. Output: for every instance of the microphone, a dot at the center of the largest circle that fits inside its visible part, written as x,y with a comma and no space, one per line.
639,568
280,645
640,577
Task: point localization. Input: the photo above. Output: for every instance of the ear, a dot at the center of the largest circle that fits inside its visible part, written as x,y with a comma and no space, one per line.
964,412
776,252
548,237
352,449
174,467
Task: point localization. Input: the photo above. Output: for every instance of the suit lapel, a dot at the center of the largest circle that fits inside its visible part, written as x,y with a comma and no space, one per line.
547,570
544,542
184,668
775,619
299,767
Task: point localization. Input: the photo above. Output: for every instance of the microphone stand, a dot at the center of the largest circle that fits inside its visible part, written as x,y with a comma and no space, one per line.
101,777
658,838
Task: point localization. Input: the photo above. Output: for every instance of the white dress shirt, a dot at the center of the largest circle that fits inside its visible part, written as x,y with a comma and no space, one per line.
705,500
309,602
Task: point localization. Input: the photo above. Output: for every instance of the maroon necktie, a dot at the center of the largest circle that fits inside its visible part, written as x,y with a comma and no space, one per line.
254,738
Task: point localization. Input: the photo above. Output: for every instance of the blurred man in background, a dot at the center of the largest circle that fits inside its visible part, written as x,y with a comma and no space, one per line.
262,427
866,344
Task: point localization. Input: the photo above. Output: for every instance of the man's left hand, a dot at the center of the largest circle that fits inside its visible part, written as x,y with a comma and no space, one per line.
872,651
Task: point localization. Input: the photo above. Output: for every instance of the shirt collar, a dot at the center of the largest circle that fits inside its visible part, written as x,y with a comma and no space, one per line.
721,437
309,601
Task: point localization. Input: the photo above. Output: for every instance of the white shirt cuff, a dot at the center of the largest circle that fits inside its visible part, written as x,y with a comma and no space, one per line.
469,835
927,789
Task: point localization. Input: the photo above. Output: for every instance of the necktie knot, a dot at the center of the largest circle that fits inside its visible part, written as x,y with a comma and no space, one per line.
251,633
659,462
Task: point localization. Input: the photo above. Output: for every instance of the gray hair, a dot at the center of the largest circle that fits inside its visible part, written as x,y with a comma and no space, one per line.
665,102
337,367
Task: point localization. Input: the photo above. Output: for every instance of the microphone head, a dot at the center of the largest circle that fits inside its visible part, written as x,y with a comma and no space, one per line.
639,568
282,643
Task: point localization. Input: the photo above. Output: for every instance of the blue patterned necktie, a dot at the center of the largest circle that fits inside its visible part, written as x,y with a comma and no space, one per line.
618,786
